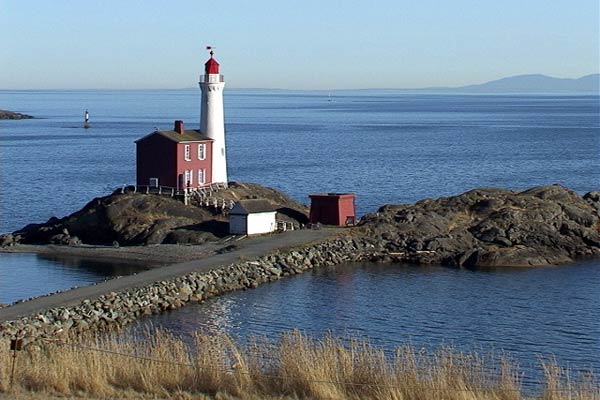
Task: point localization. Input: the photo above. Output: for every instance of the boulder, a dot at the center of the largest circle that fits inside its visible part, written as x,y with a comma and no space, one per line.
7,240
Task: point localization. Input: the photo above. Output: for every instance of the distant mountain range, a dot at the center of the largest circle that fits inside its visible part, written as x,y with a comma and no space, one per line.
535,83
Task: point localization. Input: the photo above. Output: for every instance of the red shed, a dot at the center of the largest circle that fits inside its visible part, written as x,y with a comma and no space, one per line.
333,208
179,158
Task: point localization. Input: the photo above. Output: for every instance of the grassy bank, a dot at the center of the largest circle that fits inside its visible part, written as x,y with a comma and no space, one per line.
294,367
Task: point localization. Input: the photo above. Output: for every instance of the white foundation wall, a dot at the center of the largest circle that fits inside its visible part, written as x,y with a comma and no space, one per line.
261,223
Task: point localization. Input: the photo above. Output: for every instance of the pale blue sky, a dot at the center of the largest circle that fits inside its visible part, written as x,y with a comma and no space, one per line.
304,44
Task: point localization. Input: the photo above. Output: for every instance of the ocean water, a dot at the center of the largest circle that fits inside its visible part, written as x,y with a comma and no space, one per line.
385,146
31,275
524,314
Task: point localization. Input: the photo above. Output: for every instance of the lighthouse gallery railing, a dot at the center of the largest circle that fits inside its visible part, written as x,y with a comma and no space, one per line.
212,78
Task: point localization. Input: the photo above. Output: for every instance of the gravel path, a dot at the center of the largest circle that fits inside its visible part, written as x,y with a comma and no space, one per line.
233,251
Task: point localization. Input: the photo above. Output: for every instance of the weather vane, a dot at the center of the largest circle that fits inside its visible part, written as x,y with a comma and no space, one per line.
211,50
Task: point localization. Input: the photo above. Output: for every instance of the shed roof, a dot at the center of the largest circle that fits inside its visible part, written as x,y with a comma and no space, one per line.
331,195
251,206
193,135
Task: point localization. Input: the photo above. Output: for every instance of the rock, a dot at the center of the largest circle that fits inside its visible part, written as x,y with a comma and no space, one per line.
491,227
274,271
74,241
187,236
594,199
185,291
64,315
4,114
43,318
7,240
141,219
61,238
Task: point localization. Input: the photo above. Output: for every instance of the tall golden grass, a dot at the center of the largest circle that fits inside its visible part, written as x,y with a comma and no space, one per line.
296,366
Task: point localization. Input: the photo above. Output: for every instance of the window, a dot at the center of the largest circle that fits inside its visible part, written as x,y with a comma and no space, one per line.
201,151
201,177
187,153
188,177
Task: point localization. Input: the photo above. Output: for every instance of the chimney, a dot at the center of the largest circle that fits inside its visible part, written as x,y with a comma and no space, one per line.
179,127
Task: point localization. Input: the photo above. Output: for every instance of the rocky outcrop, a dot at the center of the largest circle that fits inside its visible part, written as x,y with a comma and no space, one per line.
142,219
490,227
287,208
13,115
483,227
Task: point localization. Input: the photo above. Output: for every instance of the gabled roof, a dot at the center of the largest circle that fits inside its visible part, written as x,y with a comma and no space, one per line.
187,136
251,206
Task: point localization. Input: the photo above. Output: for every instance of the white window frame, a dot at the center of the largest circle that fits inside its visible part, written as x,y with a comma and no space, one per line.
186,153
201,151
201,176
191,177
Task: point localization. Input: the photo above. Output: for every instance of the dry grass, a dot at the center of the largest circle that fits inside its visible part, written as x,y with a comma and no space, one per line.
296,366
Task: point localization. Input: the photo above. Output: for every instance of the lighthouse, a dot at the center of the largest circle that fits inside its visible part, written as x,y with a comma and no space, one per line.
212,122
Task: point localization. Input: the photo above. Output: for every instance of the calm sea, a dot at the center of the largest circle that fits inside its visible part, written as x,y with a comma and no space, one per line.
385,146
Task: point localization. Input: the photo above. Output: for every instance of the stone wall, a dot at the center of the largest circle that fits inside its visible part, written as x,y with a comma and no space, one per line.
116,309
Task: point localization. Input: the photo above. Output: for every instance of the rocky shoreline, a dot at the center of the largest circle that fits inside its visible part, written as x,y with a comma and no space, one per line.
4,114
116,309
484,227
491,227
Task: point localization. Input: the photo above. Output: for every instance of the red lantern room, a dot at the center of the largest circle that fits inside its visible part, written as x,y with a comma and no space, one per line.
211,66
333,208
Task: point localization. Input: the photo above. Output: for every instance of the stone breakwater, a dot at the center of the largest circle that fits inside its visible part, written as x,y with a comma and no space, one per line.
116,309
483,227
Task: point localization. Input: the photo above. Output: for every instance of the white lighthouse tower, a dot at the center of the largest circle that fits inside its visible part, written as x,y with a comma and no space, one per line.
212,122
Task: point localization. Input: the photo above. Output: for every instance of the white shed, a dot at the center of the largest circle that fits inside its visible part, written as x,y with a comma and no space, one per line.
252,217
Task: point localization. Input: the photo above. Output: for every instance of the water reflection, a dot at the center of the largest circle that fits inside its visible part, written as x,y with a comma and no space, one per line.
30,275
100,268
527,314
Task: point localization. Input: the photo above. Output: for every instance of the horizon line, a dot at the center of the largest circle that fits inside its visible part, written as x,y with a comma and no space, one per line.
427,88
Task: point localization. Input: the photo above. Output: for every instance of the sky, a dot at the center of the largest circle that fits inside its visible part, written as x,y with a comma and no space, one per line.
289,44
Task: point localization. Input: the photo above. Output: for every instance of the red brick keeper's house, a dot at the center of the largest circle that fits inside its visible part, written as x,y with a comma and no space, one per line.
179,159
